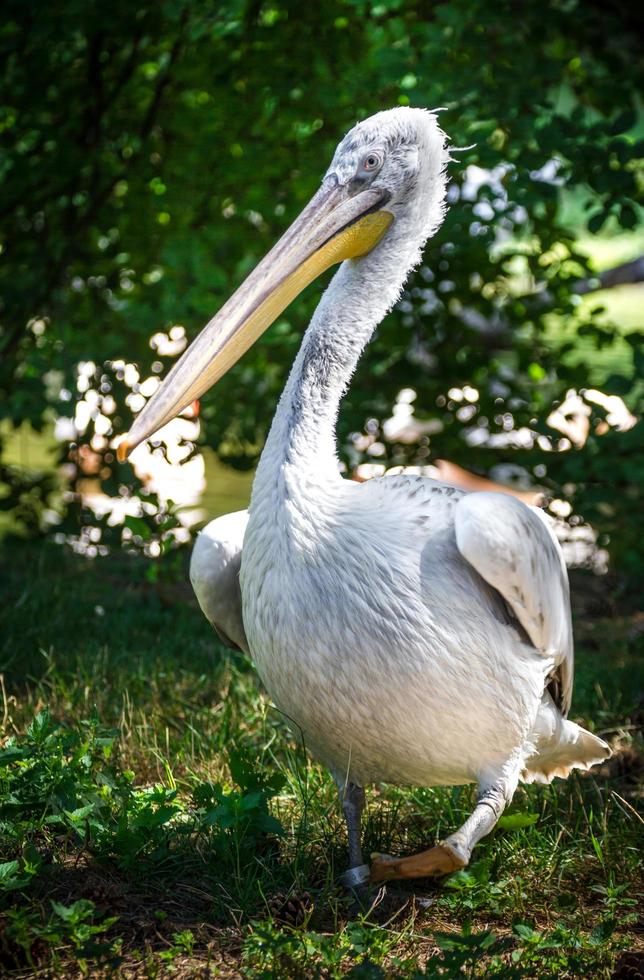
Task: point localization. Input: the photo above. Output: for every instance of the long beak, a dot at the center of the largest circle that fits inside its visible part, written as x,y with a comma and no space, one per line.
334,226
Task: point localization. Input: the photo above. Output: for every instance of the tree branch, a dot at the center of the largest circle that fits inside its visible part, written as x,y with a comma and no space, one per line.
625,274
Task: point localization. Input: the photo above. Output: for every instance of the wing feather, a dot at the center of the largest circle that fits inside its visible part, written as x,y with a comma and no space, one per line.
214,573
512,547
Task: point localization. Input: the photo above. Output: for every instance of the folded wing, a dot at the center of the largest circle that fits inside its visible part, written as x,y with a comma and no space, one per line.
214,574
512,547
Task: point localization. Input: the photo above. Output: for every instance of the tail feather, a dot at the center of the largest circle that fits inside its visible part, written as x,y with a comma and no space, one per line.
559,747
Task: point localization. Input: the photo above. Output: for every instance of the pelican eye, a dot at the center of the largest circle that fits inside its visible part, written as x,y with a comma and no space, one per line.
372,162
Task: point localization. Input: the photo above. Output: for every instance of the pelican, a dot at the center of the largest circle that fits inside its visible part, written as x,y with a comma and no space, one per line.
415,633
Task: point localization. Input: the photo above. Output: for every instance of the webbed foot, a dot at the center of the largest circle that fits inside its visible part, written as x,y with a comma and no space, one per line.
439,860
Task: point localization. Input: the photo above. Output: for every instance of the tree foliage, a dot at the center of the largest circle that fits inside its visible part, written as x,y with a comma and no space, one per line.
153,152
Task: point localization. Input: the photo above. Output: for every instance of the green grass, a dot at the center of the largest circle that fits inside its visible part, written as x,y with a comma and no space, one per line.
158,819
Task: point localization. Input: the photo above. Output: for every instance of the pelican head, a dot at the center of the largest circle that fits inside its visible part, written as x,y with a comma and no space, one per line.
402,154
387,173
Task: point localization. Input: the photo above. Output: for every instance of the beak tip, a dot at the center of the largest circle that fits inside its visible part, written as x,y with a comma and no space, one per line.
123,450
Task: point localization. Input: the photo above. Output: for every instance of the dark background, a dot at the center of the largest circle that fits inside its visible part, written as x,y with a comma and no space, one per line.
152,153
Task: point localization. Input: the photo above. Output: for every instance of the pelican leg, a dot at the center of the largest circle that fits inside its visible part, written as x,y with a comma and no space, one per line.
451,854
353,800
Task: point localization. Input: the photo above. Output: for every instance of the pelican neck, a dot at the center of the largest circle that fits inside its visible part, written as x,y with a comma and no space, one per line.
305,422
300,456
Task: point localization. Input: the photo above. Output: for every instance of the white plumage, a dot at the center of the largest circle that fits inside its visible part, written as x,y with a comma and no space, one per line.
413,632
214,574
528,636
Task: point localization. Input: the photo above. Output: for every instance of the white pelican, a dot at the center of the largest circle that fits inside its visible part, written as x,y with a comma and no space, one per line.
415,633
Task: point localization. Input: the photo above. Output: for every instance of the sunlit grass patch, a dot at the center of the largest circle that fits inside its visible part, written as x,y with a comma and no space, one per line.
158,818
